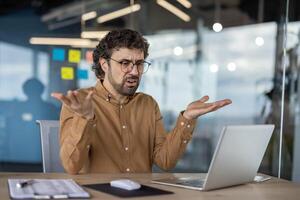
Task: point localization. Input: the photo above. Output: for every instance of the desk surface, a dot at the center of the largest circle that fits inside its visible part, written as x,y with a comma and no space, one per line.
273,189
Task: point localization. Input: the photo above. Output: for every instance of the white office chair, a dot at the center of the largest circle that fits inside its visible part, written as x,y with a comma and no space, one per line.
49,130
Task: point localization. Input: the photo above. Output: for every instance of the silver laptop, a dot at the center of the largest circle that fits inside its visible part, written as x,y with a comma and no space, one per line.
237,157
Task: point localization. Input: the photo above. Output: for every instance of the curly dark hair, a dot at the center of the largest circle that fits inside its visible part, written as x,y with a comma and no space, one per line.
117,39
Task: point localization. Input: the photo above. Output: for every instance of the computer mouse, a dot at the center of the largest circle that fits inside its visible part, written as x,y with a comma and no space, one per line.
261,178
125,184
258,178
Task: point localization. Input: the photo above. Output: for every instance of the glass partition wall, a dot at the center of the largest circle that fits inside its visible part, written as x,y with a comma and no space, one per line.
237,63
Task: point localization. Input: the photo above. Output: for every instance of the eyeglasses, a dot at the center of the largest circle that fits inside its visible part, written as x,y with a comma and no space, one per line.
127,65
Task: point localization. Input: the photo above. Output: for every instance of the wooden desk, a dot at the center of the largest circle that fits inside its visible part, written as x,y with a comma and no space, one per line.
273,189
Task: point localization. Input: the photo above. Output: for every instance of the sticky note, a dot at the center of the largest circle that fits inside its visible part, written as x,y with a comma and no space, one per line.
58,54
67,73
82,74
89,57
74,56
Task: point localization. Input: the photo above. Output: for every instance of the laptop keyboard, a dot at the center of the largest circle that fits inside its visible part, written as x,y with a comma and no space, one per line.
192,182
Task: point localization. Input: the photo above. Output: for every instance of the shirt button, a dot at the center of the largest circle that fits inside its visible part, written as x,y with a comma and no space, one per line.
188,126
182,123
94,125
107,99
88,146
126,148
121,106
123,126
184,141
127,170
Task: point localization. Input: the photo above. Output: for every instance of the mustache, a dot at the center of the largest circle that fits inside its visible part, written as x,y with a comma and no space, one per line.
131,78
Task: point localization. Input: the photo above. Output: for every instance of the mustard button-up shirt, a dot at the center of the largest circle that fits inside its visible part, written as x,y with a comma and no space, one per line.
122,138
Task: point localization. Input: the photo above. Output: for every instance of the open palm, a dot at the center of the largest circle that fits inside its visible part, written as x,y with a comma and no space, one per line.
84,108
201,107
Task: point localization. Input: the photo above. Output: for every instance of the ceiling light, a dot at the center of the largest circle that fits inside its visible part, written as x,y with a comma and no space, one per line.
214,68
89,15
91,45
185,3
178,51
217,27
93,34
259,41
231,66
119,13
60,41
174,10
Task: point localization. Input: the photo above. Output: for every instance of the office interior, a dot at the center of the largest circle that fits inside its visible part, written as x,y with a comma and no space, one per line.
245,50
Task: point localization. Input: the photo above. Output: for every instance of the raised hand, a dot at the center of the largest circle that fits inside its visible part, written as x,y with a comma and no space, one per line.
84,109
200,107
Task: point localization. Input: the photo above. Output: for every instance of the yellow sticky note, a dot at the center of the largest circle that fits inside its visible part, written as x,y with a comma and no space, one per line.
74,56
67,73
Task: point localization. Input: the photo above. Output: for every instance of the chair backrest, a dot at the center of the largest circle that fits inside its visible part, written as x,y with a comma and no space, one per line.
49,130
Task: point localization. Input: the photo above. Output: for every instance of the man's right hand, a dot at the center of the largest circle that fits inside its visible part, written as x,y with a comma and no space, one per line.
84,109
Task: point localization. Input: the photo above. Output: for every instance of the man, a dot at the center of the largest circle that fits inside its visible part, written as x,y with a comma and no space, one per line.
110,128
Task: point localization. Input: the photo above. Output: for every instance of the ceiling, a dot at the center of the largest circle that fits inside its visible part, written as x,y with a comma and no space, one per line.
21,20
58,14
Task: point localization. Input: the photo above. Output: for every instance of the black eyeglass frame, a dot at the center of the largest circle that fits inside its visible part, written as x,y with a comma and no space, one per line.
121,62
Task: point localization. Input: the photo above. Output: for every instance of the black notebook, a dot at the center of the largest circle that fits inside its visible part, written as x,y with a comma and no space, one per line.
143,191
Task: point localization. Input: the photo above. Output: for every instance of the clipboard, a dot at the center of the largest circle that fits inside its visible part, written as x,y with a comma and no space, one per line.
45,189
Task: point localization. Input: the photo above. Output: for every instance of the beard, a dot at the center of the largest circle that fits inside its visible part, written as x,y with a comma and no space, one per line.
127,87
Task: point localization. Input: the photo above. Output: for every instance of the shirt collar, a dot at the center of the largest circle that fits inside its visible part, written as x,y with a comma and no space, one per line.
105,94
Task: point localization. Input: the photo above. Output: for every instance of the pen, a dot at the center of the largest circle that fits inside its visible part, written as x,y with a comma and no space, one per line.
24,183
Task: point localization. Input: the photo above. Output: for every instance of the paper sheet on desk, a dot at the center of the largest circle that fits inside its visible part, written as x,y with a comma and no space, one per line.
48,187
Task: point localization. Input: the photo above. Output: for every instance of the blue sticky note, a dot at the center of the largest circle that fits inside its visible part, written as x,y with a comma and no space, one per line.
82,74
58,54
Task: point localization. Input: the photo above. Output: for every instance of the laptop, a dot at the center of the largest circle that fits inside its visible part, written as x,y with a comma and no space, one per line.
236,159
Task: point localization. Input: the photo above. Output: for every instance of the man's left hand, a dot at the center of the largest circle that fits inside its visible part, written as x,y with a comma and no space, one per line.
200,107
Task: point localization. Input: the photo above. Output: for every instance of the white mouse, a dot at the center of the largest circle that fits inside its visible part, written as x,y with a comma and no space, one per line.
125,184
258,178
261,178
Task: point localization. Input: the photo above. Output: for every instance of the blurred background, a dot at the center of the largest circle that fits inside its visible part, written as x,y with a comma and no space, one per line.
221,48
